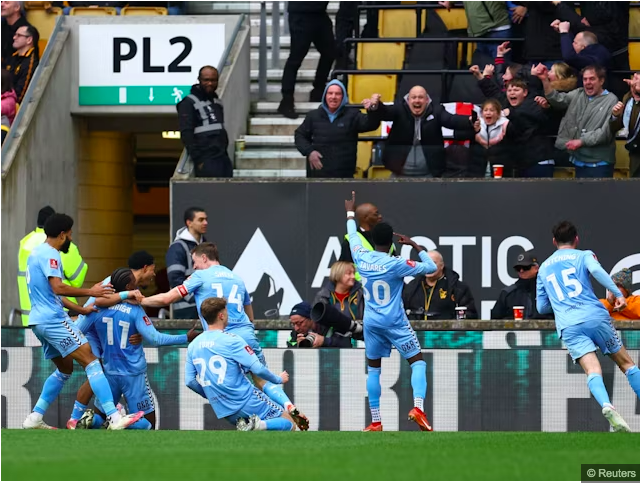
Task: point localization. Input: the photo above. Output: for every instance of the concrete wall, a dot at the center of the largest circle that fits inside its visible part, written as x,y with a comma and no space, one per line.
44,167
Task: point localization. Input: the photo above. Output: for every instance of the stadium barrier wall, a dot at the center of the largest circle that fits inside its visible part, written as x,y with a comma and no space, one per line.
281,237
477,381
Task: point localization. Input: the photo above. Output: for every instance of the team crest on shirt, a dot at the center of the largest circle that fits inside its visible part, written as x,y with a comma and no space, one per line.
443,294
53,263
249,350
183,290
411,263
147,320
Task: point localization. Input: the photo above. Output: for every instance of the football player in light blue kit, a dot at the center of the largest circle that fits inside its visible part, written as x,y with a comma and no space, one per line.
214,280
125,365
582,322
215,367
61,341
143,267
385,321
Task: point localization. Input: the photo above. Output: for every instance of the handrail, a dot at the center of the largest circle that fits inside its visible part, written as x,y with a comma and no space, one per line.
6,147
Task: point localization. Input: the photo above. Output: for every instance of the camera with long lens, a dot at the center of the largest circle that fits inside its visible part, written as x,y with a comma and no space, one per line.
307,341
326,314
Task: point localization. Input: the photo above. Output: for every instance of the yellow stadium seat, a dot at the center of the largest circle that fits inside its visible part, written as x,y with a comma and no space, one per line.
622,158
362,86
380,56
399,23
147,11
564,172
634,55
379,172
455,19
43,20
364,158
36,5
634,21
94,11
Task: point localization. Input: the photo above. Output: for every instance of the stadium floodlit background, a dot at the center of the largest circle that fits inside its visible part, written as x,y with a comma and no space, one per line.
101,142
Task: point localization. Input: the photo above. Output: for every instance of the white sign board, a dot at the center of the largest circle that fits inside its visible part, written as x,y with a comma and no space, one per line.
144,64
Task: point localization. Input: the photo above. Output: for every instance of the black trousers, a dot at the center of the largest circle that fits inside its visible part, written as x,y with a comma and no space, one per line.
614,82
307,29
216,167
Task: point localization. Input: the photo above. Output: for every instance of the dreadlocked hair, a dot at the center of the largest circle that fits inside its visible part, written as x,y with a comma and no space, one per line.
120,278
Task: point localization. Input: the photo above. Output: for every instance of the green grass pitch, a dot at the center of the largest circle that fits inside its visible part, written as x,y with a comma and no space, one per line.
228,455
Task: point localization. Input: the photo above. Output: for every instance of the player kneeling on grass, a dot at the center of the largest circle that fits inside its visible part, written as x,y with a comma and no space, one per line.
215,368
124,364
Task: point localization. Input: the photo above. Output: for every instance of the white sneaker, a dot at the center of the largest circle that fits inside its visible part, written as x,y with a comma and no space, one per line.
615,420
35,423
121,410
250,424
86,420
126,421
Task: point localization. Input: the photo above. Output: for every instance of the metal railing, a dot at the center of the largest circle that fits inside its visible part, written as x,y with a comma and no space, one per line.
275,43
28,97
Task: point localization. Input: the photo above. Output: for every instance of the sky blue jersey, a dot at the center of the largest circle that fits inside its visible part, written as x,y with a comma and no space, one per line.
564,288
383,280
215,367
219,281
92,329
114,326
46,307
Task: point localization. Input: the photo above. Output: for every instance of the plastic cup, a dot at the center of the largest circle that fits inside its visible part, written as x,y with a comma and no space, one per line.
518,313
461,313
498,169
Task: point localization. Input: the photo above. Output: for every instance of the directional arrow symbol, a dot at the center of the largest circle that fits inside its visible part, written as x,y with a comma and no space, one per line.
151,94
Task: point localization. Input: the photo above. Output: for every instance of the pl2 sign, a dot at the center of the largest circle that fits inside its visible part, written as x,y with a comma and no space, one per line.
144,64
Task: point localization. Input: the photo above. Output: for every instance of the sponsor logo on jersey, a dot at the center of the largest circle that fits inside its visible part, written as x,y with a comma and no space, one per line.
411,263
53,263
183,290
147,320
249,350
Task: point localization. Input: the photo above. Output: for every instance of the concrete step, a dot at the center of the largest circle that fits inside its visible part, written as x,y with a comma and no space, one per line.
273,126
275,75
309,62
272,159
269,173
264,107
255,24
285,42
274,95
256,142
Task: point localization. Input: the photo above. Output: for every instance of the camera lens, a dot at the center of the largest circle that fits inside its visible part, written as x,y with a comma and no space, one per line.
307,341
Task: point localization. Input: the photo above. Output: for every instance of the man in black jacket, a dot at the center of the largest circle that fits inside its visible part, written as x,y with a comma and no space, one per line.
435,296
328,137
12,20
201,119
24,61
522,293
415,146
317,335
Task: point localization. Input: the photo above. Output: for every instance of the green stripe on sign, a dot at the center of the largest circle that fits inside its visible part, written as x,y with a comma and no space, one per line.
132,95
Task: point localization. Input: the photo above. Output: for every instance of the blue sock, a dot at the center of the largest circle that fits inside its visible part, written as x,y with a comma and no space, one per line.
419,379
78,410
100,386
279,424
596,386
633,375
98,421
276,393
141,424
374,390
52,387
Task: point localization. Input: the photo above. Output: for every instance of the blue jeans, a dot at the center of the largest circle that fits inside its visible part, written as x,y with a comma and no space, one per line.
538,171
491,49
595,172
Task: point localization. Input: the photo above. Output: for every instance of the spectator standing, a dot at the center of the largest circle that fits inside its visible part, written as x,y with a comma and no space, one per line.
435,296
201,120
12,19
486,20
328,136
584,131
317,335
308,23
522,293
415,146
626,116
24,61
583,49
179,261
490,147
9,98
623,280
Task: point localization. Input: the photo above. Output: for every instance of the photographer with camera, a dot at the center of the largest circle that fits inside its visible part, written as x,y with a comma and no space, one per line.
309,334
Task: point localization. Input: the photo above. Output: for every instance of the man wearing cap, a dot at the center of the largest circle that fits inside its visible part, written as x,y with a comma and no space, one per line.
522,293
318,335
623,281
73,266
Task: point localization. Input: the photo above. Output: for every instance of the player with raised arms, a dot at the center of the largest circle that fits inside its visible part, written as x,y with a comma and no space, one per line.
385,321
582,322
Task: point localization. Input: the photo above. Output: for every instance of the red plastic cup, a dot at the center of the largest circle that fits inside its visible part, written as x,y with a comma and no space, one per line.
498,170
518,313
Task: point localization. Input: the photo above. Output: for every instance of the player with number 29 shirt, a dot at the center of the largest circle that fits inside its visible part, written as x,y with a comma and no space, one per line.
385,321
582,322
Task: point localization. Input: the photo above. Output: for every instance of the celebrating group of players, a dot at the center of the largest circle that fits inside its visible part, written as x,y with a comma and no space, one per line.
114,323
